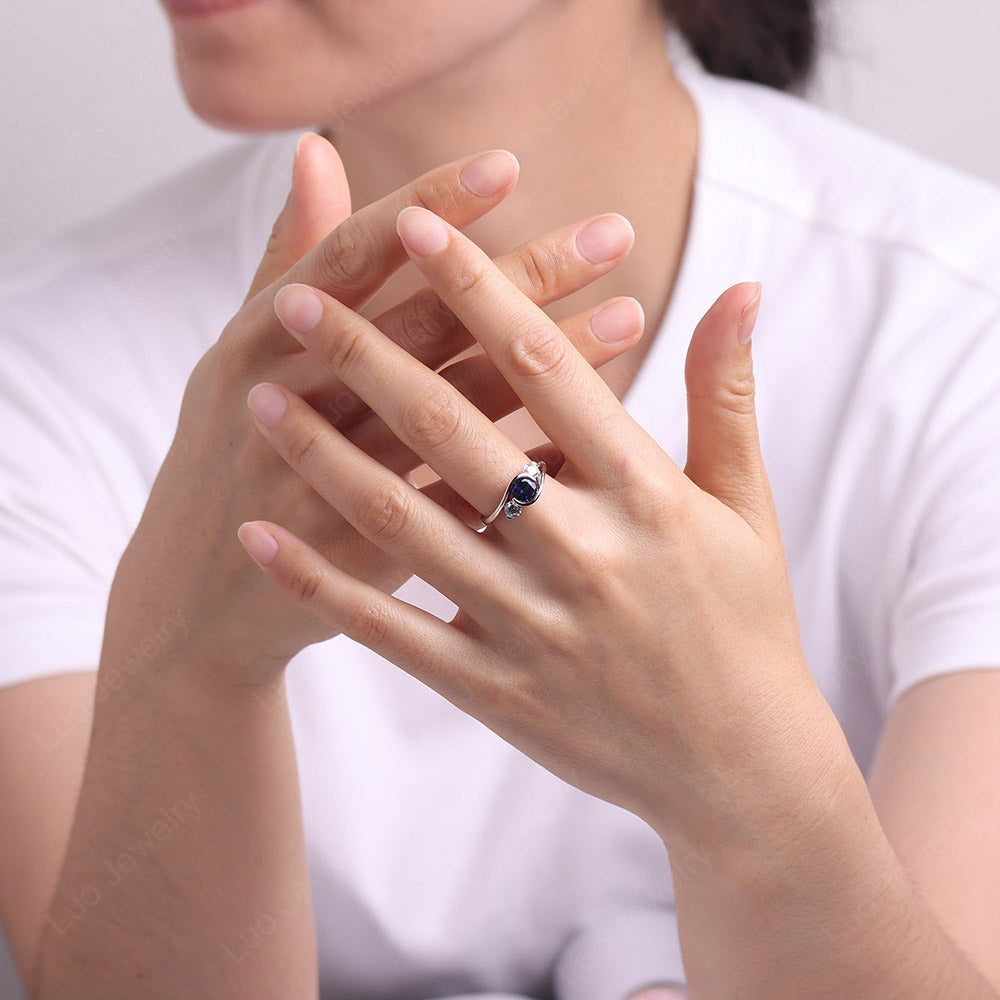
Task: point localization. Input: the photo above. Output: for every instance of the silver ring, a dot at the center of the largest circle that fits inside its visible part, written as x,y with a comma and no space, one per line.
524,489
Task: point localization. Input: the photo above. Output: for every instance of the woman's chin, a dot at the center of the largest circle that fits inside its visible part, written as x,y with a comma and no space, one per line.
238,108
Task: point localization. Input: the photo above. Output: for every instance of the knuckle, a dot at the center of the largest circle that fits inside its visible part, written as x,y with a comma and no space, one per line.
555,632
387,511
542,625
432,421
641,488
537,273
597,567
368,623
741,393
651,505
304,449
221,370
427,323
468,278
495,690
736,394
538,352
305,586
347,255
345,351
627,469
437,194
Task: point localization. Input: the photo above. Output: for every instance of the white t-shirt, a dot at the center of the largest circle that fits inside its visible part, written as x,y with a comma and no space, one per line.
442,860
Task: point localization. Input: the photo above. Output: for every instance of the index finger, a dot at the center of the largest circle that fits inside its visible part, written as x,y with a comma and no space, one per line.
356,258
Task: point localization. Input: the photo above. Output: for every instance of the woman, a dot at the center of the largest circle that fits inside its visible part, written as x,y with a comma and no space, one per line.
244,826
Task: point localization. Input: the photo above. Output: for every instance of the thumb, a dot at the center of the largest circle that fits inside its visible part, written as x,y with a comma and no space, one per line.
724,456
319,200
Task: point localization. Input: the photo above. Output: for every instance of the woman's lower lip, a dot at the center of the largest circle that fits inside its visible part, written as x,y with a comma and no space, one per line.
202,8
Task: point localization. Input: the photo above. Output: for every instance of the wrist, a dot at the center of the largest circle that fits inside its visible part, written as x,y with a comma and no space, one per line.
176,684
778,798
851,927
146,647
797,901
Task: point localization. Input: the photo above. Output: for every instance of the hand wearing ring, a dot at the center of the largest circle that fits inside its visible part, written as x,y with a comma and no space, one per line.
640,619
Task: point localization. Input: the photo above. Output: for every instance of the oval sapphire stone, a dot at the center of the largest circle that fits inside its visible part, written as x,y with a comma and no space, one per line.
524,490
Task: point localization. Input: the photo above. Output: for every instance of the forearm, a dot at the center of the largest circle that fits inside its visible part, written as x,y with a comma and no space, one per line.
186,869
826,913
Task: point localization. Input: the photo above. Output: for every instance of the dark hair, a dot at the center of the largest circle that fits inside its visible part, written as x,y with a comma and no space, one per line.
767,41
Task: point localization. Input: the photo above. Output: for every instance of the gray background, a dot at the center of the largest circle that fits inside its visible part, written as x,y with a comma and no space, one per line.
92,113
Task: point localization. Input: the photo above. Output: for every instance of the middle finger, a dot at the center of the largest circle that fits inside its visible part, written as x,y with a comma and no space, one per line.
569,401
477,379
545,269
422,409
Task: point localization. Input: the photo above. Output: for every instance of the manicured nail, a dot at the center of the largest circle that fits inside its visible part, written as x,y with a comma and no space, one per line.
489,173
298,146
748,317
617,321
259,542
422,231
605,238
298,307
267,403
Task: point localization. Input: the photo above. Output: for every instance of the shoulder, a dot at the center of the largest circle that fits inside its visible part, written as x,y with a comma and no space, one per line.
100,325
795,162
881,268
882,344
168,251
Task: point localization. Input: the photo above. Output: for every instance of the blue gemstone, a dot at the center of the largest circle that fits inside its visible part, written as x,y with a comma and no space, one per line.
524,490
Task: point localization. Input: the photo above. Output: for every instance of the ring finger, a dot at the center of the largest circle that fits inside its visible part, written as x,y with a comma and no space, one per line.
423,410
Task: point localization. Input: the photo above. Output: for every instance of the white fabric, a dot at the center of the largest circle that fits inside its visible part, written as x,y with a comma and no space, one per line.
442,860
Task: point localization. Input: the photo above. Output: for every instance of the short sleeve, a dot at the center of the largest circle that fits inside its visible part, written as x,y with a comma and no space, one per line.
619,953
946,616
100,327
61,528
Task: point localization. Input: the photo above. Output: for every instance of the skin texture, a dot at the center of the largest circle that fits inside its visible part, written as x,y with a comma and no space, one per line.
403,87
718,736
206,725
584,95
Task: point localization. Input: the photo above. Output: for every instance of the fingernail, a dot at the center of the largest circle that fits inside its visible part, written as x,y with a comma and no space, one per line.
298,307
422,231
748,317
489,173
298,146
617,321
267,403
260,543
605,238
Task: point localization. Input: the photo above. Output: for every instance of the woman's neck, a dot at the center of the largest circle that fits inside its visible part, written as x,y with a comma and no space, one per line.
587,100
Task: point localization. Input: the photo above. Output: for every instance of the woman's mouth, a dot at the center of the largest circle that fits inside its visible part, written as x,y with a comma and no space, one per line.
202,8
